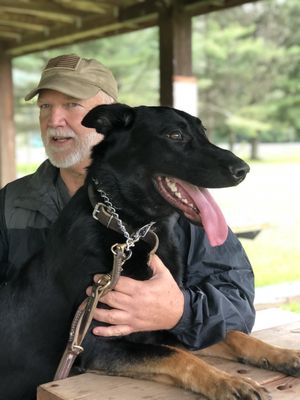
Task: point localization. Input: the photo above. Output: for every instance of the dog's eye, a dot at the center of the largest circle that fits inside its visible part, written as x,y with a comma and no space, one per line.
175,135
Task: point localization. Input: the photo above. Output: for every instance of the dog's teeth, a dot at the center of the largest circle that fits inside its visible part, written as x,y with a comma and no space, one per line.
172,185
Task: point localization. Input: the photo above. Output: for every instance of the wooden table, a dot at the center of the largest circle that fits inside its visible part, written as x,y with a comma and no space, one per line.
94,387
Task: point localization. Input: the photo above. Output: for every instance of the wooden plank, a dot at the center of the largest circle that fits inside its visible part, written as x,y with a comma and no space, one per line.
91,386
286,388
284,335
7,128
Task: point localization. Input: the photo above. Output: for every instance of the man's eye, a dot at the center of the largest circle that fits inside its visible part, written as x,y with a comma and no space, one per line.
44,106
175,135
72,105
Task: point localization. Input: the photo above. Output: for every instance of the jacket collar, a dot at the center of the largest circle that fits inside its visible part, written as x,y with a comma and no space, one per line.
41,192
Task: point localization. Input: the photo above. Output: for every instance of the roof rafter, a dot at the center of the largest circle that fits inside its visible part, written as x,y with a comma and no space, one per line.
44,24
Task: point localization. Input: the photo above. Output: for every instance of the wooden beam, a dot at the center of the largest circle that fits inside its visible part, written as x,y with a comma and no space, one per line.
30,26
70,22
10,34
127,20
7,129
53,12
196,7
175,48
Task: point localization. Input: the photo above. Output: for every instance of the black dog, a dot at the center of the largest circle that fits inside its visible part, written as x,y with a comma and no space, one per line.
37,306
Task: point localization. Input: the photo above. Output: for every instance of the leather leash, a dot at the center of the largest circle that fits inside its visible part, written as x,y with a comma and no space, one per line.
121,253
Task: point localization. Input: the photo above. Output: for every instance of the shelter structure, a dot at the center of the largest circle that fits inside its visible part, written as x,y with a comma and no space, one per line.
28,26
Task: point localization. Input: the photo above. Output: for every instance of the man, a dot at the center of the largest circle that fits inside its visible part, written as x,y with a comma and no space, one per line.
218,293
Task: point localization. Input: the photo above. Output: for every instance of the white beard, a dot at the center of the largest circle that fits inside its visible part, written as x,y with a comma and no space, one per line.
79,150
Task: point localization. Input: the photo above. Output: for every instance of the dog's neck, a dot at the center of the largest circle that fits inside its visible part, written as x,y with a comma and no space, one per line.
106,214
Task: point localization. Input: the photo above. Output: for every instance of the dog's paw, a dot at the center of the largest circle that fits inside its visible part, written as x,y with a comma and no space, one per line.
237,388
284,360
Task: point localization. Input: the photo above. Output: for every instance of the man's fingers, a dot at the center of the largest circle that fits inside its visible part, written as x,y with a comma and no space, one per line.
111,317
107,331
125,288
125,285
157,266
136,306
116,300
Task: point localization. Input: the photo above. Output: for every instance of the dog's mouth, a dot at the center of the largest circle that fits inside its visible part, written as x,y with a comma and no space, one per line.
197,204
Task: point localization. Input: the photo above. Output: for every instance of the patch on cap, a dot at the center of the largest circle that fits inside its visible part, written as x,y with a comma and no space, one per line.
66,61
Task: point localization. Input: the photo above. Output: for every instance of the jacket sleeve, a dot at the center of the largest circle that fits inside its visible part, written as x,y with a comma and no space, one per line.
218,290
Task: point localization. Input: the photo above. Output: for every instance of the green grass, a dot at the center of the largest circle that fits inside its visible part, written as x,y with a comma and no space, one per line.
269,196
282,154
277,159
293,307
275,255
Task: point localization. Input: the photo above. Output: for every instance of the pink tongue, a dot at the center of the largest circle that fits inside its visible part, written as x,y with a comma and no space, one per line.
212,218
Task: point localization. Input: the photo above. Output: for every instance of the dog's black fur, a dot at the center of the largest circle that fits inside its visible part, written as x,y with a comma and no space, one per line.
38,305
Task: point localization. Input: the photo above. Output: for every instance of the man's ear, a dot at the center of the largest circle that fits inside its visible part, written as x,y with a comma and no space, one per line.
107,117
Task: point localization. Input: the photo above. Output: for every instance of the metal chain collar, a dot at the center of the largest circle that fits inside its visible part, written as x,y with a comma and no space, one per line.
130,239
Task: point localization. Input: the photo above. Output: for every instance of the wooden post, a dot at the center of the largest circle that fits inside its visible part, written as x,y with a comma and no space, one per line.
175,39
7,129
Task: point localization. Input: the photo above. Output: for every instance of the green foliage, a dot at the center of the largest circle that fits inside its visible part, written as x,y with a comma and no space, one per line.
248,127
248,58
26,168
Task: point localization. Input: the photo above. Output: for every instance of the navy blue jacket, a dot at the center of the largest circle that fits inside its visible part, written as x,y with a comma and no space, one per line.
219,282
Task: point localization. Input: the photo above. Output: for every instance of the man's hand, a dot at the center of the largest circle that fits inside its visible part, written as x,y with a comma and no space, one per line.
138,306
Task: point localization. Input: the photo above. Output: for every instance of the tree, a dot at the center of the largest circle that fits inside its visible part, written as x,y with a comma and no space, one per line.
239,57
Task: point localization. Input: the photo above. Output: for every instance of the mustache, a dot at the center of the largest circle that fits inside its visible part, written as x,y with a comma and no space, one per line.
60,133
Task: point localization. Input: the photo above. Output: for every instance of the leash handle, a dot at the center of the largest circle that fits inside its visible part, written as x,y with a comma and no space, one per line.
84,314
66,363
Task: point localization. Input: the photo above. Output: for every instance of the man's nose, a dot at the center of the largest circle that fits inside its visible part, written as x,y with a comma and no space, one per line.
56,117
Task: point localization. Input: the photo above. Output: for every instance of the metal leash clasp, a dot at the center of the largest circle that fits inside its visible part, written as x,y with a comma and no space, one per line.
102,286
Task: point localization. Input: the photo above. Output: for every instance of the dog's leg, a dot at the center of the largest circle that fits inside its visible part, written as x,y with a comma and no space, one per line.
250,350
177,367
254,351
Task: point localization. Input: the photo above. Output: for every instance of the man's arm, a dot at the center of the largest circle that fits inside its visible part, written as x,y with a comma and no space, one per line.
219,291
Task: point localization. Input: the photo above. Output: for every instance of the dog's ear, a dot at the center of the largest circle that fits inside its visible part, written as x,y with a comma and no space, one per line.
107,117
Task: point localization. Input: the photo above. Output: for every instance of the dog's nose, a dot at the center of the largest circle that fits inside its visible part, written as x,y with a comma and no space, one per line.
239,172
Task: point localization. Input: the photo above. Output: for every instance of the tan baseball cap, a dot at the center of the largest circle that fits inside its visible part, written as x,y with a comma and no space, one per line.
78,77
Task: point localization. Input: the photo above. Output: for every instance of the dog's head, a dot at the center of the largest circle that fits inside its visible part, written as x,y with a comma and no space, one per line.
156,159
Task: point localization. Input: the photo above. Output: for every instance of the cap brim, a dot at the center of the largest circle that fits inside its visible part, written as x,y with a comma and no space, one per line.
71,87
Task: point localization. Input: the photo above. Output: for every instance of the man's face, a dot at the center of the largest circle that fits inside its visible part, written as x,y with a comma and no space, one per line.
67,142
